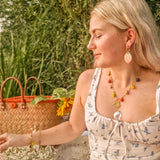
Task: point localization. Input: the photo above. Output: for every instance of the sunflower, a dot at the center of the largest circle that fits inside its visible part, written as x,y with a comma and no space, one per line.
65,106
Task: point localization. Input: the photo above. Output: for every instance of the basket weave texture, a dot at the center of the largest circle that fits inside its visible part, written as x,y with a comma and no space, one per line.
18,116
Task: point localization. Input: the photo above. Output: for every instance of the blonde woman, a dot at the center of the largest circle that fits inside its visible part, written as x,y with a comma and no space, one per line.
119,101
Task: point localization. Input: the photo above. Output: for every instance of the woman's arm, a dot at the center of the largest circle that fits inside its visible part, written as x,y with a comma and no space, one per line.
69,130
62,133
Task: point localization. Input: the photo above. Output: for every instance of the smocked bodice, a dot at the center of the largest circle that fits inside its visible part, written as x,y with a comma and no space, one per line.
112,139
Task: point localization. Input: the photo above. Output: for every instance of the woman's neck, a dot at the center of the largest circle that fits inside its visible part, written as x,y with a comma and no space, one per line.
124,76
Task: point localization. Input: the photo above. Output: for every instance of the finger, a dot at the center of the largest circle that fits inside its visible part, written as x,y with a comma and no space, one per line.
3,136
3,147
2,141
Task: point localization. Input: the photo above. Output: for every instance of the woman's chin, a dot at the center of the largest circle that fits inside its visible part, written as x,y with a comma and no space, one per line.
100,65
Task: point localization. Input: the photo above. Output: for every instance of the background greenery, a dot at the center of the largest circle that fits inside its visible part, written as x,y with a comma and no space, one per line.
46,39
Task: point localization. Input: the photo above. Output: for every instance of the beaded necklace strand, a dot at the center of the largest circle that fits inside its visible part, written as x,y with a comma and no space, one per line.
118,100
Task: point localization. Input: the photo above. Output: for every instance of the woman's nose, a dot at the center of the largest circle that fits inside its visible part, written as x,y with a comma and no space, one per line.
90,45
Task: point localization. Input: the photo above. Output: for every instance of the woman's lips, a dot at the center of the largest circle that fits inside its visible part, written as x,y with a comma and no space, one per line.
96,55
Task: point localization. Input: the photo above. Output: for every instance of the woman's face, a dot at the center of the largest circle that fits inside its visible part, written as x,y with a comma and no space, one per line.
107,43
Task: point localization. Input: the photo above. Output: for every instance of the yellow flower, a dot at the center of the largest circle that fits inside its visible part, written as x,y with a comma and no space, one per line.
65,106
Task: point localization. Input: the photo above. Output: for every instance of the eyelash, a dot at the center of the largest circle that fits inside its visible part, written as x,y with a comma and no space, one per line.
98,36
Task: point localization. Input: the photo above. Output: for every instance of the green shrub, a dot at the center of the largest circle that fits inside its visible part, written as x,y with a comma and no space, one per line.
46,39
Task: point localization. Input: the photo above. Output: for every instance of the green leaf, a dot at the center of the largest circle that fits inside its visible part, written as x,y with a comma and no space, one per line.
38,99
72,93
59,92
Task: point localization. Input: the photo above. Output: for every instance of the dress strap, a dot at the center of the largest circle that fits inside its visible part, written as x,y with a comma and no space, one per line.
95,81
158,99
92,92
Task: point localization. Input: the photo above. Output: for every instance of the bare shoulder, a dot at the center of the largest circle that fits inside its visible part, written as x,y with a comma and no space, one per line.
150,80
84,83
152,77
86,75
85,78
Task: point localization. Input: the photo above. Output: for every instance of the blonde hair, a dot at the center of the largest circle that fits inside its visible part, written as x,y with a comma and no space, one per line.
125,14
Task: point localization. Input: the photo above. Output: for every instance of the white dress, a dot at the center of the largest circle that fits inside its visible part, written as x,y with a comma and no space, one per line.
111,139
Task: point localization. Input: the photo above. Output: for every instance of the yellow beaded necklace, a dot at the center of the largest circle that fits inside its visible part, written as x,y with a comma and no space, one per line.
118,100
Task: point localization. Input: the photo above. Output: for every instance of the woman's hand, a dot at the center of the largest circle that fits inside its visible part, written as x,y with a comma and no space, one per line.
13,140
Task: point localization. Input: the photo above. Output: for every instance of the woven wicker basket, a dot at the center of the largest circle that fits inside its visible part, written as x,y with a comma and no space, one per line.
18,116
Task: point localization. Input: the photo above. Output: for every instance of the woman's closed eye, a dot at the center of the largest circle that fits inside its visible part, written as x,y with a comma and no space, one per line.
98,36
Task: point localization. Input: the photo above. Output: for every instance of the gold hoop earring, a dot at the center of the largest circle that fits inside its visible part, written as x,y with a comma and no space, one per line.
128,56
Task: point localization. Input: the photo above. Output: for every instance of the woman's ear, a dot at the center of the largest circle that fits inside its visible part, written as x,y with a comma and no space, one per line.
130,37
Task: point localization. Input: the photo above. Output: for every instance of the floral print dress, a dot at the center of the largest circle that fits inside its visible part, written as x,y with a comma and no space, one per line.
112,139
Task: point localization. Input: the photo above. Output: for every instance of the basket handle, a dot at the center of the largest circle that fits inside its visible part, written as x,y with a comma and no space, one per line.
40,91
2,104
